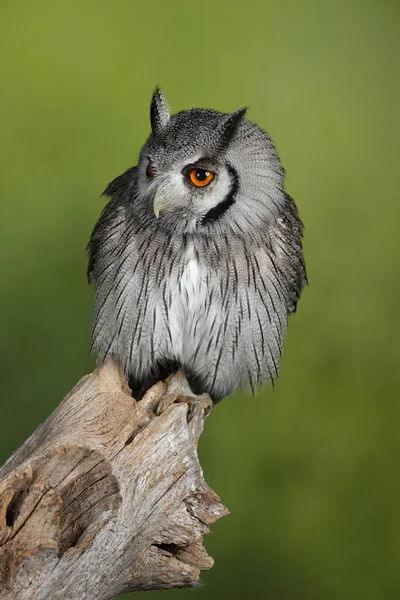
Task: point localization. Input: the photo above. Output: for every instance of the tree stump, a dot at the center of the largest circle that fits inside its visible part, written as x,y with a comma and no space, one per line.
105,497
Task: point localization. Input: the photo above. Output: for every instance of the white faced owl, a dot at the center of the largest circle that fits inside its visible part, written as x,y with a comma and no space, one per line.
197,258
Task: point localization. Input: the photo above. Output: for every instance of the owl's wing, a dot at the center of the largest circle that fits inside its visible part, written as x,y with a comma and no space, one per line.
286,240
127,275
108,229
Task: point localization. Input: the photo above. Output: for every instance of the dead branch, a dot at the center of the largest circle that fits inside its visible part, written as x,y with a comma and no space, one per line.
105,498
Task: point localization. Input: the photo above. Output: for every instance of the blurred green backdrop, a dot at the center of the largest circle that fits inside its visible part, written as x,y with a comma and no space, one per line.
309,471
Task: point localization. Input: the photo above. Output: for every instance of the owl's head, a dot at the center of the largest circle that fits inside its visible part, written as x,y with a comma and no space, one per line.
202,166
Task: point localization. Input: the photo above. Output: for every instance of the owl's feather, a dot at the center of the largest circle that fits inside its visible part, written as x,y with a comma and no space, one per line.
208,289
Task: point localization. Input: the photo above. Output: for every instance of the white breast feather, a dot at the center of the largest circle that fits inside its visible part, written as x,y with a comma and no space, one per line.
188,307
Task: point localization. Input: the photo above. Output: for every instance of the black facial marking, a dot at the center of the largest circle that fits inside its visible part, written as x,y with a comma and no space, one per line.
215,213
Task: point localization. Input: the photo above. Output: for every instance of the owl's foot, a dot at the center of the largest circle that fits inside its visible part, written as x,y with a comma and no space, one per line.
197,404
178,390
202,404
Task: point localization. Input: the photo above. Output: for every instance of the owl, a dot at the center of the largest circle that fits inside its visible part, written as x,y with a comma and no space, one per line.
197,258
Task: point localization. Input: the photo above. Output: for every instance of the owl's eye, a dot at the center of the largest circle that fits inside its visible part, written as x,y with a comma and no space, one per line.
150,169
200,177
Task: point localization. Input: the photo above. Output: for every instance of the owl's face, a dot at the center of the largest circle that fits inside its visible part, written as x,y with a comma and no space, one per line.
196,164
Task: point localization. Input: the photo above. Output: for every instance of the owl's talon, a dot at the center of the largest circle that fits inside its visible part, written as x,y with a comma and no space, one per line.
196,404
199,403
163,404
202,404
194,409
208,409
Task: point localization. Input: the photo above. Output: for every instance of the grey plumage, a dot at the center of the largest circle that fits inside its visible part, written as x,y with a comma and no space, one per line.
208,285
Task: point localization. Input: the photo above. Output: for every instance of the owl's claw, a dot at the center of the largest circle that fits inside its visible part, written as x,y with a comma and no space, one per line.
179,391
163,404
199,404
196,405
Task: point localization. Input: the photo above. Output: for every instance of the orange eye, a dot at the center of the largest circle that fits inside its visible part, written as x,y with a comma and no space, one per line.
200,177
150,169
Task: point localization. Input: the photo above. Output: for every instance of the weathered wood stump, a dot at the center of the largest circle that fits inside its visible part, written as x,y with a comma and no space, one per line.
105,497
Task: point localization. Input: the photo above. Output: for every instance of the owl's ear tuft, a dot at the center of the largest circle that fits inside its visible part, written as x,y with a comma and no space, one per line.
159,111
229,126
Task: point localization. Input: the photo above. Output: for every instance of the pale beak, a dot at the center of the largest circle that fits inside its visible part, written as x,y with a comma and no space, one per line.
160,202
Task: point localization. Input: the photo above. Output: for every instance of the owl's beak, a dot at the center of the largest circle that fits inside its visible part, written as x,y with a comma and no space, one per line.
160,202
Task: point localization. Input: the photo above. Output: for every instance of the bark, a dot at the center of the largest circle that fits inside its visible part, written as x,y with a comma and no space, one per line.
105,497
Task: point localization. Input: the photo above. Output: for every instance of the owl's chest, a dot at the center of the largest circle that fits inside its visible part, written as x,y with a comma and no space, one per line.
190,297
192,289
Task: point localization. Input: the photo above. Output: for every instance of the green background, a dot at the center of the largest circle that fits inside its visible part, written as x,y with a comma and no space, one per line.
310,472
